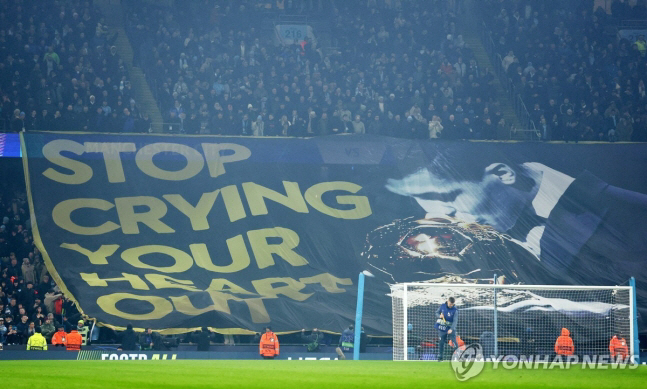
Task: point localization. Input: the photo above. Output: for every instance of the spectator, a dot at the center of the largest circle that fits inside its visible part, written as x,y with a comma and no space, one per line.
28,272
3,331
67,326
310,126
83,330
624,130
345,126
375,127
192,125
23,329
45,283
149,340
452,131
203,339
246,126
129,339
14,271
544,128
143,125
50,300
128,120
298,127
21,312
48,329
39,316
18,121
572,127
508,60
27,295
258,126
13,307
172,124
435,128
358,125
12,336
640,130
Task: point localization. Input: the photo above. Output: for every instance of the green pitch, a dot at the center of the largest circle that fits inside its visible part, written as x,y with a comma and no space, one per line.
296,374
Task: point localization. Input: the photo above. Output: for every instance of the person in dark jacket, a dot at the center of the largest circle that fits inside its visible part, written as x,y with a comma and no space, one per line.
313,341
446,325
150,340
129,339
23,329
67,326
203,339
363,341
346,342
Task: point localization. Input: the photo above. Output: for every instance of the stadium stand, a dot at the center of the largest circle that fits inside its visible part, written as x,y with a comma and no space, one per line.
578,75
395,64
60,70
402,66
18,298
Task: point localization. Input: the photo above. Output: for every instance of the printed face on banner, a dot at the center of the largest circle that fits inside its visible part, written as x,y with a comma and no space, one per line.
491,200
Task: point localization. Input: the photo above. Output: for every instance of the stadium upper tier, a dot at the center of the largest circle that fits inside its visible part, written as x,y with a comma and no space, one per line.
400,68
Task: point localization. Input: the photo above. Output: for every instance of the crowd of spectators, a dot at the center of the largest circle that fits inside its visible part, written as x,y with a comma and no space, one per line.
60,71
398,68
29,298
579,79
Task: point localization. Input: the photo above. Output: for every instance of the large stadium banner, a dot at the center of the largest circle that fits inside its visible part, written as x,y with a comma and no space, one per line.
175,233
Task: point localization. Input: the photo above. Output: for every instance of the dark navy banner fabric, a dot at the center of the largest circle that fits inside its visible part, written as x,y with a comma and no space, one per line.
175,233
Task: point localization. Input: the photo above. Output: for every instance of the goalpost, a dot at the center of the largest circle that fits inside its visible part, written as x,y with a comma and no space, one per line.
519,320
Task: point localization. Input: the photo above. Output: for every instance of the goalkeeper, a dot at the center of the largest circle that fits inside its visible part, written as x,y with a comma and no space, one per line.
446,325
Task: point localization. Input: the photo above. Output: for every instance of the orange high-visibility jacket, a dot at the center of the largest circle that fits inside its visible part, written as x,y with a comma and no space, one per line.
564,344
59,338
269,346
461,344
618,347
73,341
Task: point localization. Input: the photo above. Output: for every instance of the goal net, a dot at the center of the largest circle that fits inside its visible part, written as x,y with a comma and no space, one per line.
519,320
